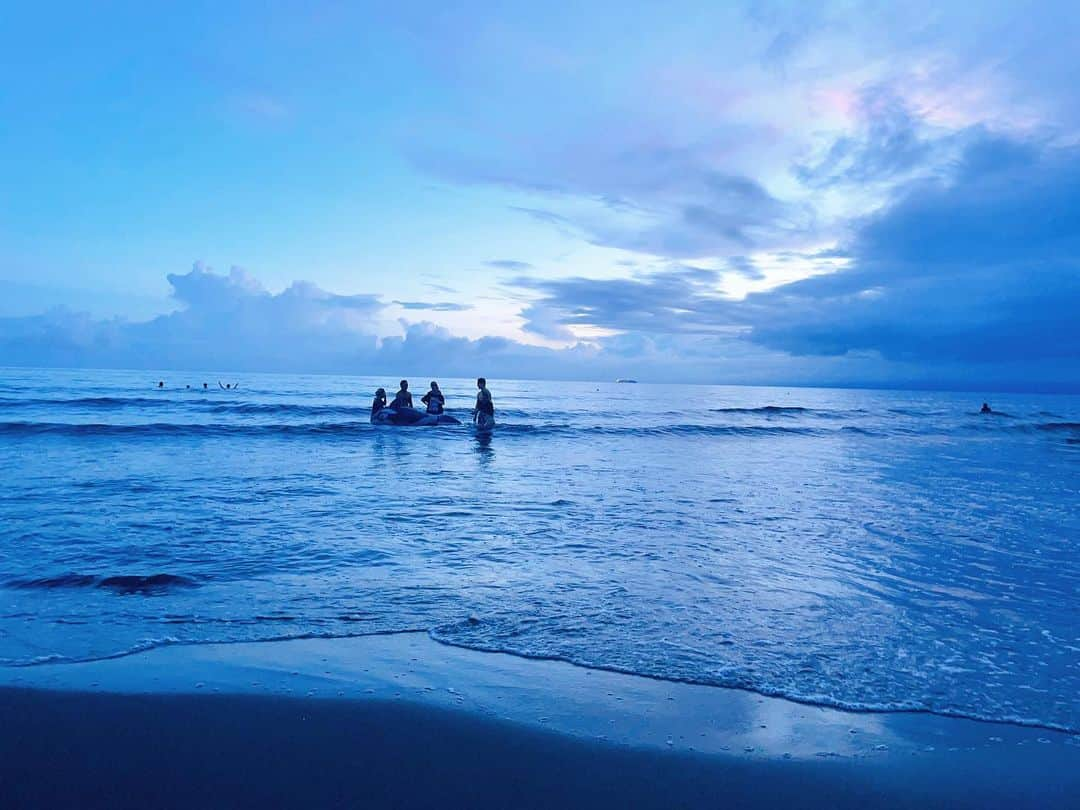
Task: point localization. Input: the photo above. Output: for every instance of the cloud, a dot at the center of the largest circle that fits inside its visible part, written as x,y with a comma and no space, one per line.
230,322
982,268
965,278
706,141
509,264
745,267
969,275
892,143
224,322
444,306
443,288
664,200
678,300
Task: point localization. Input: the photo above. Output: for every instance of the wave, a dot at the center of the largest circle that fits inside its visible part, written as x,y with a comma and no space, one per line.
577,426
200,404
764,409
659,430
284,408
164,429
912,706
119,583
443,635
344,429
1056,426
744,684
215,406
103,403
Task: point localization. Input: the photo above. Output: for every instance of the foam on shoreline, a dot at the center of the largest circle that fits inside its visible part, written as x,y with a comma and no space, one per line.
891,757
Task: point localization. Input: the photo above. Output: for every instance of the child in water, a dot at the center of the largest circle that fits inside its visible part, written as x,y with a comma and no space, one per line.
379,402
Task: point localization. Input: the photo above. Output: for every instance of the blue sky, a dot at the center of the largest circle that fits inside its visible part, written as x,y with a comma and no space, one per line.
863,193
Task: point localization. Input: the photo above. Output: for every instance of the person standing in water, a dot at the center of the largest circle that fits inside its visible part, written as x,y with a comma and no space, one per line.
484,412
434,399
403,399
379,402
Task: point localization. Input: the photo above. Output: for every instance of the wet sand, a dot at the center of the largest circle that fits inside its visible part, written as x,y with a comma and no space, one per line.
402,721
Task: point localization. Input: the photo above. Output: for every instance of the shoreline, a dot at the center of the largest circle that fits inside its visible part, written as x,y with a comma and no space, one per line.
493,729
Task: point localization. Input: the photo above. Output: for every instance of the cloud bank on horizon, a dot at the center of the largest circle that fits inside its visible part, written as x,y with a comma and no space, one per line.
761,193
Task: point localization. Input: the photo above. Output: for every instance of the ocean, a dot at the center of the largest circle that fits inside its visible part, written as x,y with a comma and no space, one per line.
878,550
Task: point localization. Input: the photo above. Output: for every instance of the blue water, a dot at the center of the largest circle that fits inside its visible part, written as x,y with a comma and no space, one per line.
879,550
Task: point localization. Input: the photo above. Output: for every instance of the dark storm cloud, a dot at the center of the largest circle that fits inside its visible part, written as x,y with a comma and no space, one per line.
981,269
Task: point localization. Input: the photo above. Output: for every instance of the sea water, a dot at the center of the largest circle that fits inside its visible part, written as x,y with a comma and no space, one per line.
865,549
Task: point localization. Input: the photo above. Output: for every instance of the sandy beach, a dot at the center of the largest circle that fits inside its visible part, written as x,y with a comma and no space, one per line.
402,721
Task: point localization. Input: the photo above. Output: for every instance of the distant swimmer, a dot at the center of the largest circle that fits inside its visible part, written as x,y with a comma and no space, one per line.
228,386
434,399
986,408
484,412
379,402
204,386
161,384
403,399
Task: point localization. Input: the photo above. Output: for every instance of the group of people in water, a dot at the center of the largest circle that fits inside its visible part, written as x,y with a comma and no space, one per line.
225,387
434,402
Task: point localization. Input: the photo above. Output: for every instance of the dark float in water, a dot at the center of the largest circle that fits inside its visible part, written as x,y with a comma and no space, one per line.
411,417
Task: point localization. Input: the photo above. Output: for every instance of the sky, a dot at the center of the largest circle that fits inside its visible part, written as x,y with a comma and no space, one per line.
795,193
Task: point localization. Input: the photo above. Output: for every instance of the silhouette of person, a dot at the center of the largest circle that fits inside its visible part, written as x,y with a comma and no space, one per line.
484,412
434,399
379,402
403,399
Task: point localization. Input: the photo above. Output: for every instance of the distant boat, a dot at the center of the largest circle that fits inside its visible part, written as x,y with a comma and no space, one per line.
625,381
